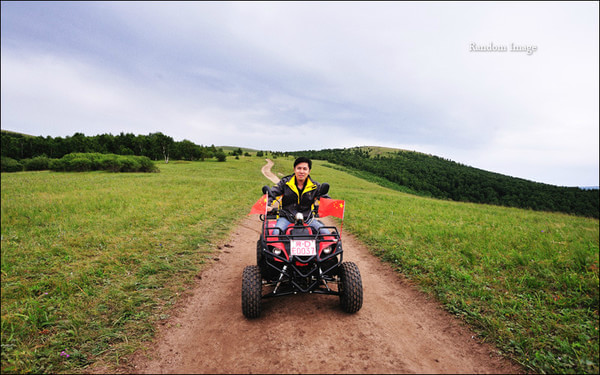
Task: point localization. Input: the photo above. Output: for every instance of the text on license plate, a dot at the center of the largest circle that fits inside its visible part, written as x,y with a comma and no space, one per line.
303,247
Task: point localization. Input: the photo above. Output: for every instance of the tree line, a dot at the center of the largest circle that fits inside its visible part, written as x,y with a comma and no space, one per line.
441,178
155,146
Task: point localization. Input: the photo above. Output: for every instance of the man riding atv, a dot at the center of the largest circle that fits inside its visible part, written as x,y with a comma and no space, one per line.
296,253
298,192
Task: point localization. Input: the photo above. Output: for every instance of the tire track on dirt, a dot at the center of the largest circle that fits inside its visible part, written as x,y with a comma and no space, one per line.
398,329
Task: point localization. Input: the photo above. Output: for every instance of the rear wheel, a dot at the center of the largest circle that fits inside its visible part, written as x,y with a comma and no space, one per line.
350,287
251,292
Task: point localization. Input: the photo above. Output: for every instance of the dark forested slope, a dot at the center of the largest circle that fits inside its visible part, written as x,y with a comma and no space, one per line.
445,179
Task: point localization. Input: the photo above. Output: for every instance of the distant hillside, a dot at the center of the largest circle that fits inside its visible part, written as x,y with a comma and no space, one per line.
16,133
379,150
445,179
229,149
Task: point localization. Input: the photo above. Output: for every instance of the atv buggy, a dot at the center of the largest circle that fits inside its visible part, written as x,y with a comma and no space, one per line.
299,261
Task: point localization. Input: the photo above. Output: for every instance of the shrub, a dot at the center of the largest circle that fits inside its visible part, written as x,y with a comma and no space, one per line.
57,165
147,165
10,165
40,163
111,163
94,159
220,155
79,164
129,164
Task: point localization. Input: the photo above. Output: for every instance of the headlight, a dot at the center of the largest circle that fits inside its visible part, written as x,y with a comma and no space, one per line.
328,250
276,251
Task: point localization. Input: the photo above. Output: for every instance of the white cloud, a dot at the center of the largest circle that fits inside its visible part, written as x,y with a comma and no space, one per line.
282,75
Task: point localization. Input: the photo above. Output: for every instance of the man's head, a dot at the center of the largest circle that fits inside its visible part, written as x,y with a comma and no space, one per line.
302,159
302,167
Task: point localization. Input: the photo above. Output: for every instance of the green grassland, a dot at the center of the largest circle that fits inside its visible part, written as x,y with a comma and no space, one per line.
527,281
92,261
228,149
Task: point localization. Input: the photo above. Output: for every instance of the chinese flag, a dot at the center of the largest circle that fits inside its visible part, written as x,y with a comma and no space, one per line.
260,207
331,207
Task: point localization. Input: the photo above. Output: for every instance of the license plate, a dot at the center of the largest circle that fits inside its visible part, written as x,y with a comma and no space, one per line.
303,247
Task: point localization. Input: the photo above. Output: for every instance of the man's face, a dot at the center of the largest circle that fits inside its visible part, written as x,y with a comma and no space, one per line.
301,171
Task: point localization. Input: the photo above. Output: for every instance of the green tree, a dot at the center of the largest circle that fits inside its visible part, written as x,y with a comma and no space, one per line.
220,155
187,150
161,145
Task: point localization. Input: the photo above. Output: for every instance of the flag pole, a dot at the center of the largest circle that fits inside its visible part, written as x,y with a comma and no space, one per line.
342,225
266,226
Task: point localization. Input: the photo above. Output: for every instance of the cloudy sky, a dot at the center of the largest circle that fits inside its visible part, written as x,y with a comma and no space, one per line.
453,79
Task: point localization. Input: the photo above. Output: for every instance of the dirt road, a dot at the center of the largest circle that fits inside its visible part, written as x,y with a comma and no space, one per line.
398,329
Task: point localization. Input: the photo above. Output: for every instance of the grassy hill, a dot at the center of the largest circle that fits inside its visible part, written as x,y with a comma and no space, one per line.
228,149
91,261
429,175
526,280
379,150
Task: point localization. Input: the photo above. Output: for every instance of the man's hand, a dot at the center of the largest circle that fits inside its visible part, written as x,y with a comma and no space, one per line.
269,208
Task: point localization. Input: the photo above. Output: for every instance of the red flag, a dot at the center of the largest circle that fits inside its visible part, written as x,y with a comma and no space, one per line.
331,207
260,207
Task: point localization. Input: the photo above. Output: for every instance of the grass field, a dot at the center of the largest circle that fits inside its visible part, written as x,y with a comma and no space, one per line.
92,261
526,281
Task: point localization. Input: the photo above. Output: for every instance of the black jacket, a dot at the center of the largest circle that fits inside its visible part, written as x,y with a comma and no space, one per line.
294,201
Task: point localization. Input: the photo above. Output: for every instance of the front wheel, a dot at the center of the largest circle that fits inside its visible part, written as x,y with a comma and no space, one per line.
350,287
251,292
